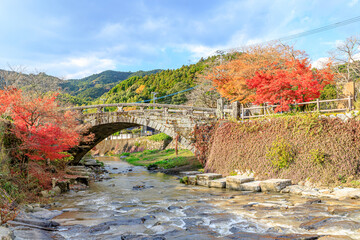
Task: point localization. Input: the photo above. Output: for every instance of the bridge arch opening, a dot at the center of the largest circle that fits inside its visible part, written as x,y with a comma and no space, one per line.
102,131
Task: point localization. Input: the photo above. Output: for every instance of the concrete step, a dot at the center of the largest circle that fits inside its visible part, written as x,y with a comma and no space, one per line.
274,185
203,179
218,183
234,182
250,186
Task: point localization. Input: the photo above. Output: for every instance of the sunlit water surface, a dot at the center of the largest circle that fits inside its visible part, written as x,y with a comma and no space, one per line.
136,204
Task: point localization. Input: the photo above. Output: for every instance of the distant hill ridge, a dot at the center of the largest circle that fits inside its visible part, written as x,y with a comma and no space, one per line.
76,91
92,87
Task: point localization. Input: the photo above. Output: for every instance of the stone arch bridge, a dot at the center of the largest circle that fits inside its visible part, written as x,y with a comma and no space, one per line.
173,120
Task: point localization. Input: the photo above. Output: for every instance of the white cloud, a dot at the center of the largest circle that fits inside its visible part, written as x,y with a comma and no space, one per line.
79,67
353,3
198,51
320,62
85,66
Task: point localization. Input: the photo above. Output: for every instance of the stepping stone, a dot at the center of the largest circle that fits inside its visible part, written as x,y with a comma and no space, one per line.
250,186
234,182
218,183
188,173
203,179
192,179
274,185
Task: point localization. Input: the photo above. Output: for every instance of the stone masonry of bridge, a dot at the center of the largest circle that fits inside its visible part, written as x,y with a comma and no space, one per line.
173,120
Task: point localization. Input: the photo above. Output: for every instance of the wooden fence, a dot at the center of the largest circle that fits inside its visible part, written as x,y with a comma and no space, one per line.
238,111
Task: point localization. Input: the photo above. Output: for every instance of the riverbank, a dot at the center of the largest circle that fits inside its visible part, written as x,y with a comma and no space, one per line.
33,220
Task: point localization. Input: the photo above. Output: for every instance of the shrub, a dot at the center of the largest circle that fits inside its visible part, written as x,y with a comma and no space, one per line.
101,163
280,153
159,137
185,180
136,131
317,156
8,210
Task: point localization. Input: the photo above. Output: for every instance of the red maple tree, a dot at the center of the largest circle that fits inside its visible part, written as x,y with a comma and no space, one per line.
291,82
45,133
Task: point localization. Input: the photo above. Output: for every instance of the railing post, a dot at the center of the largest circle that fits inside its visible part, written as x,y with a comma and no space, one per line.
120,109
264,109
187,112
318,105
350,103
242,112
220,108
235,106
99,109
166,111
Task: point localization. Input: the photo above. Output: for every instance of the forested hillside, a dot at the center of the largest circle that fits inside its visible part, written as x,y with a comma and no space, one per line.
139,89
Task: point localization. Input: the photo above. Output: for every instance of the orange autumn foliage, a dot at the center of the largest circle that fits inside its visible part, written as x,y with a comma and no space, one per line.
230,78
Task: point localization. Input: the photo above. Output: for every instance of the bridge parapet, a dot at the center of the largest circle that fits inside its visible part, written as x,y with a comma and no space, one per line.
120,107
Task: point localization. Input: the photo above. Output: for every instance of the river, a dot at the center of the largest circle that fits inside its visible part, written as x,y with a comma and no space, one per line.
137,204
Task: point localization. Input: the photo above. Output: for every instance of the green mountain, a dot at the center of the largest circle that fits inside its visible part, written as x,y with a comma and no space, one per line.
92,87
140,89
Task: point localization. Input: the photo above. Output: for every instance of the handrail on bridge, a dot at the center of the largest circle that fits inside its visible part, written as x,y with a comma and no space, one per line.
143,105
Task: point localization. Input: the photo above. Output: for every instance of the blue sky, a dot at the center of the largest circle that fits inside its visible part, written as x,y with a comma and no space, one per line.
77,38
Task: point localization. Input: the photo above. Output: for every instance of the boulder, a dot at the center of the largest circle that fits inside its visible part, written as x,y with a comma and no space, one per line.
5,233
91,162
342,193
203,179
234,182
294,189
45,194
250,186
218,183
274,185
63,185
56,190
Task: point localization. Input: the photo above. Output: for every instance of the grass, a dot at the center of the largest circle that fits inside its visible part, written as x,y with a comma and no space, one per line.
159,137
163,159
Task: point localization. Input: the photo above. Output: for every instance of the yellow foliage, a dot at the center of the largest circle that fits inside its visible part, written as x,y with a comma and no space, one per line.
140,89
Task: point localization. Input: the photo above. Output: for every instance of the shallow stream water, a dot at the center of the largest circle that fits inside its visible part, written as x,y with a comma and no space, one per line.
137,204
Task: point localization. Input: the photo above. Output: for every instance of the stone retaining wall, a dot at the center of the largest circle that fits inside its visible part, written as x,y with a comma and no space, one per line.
117,146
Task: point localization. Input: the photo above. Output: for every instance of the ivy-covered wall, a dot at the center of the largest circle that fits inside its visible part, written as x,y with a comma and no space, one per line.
323,150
